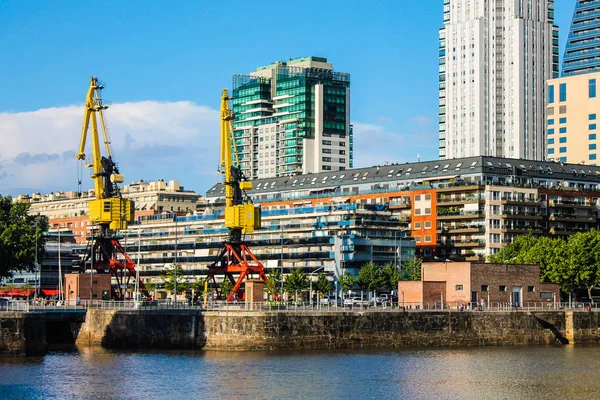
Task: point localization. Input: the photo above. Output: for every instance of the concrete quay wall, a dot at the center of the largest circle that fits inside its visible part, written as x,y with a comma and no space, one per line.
22,334
242,331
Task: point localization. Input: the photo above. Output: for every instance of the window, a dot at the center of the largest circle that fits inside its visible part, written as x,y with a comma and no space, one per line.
550,141
427,224
427,238
551,131
459,288
592,88
546,295
550,94
563,92
417,211
562,159
427,197
417,225
550,151
562,140
592,146
592,117
562,120
485,288
418,239
592,156
592,136
551,122
502,288
592,127
562,150
562,130
530,289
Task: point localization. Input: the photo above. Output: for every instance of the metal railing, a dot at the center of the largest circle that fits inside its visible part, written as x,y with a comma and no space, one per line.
345,305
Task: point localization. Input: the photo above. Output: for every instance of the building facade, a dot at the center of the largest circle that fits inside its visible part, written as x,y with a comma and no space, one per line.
292,118
572,125
69,210
494,59
474,284
462,209
582,53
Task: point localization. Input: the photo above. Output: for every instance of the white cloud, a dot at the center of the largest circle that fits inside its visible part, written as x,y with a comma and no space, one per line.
153,140
150,140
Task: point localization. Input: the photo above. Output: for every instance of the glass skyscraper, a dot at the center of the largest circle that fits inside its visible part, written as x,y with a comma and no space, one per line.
582,53
293,118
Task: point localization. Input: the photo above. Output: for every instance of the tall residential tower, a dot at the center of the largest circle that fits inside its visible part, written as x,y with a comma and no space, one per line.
495,57
293,118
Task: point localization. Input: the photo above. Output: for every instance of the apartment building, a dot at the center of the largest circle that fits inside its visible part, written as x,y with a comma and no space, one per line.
572,101
293,117
494,59
572,125
462,209
69,210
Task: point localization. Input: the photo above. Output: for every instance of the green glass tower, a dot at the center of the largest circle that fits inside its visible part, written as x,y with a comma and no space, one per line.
293,118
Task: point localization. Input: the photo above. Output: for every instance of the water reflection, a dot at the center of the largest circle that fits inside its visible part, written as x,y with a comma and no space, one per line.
503,372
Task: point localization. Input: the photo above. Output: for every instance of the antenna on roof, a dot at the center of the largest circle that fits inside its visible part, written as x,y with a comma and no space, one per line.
418,158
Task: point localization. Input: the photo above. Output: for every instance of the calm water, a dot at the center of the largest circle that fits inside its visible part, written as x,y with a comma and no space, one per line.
482,373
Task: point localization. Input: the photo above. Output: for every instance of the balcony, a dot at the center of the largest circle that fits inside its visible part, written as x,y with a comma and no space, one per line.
461,229
572,217
521,215
458,201
571,204
461,215
519,200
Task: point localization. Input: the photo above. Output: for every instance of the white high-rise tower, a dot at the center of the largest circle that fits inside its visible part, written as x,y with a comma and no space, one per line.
495,58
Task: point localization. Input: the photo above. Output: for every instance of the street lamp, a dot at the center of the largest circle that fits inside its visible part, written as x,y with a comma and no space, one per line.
37,285
281,256
310,278
175,269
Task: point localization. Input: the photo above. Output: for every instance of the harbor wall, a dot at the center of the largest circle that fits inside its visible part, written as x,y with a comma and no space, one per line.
22,334
31,333
243,331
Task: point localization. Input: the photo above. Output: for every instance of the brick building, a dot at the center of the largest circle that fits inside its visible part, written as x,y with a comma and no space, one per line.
455,283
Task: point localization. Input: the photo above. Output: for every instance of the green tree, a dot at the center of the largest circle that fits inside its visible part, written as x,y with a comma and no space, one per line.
168,278
297,281
18,234
273,285
198,287
392,276
515,252
324,285
584,259
412,270
370,277
347,281
226,287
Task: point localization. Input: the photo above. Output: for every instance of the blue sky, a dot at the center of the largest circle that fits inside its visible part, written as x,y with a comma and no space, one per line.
165,63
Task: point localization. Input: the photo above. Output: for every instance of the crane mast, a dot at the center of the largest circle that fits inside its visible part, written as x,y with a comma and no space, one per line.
241,215
109,211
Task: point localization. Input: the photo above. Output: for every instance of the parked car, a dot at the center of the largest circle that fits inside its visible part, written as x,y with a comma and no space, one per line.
327,301
355,302
386,298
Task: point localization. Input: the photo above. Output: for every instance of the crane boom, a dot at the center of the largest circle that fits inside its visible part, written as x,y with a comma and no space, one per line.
108,210
241,215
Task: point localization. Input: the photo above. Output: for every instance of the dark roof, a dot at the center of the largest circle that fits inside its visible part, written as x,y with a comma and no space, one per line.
426,170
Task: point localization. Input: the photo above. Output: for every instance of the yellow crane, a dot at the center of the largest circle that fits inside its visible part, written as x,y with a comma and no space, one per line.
109,211
241,215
